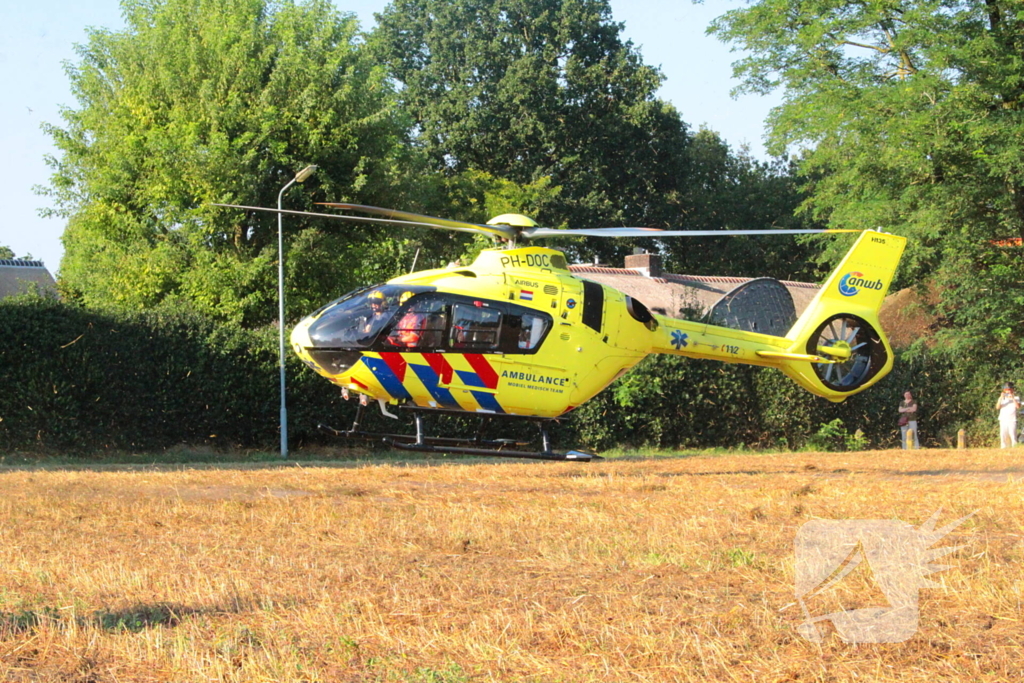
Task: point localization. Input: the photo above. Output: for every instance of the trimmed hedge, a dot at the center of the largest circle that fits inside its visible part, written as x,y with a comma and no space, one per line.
75,379
78,380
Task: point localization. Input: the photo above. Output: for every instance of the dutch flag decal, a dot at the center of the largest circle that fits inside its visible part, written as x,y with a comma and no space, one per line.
526,295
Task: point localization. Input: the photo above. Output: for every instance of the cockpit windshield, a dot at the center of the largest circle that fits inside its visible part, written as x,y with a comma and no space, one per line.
356,321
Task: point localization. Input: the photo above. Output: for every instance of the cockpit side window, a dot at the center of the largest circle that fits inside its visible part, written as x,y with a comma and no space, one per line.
420,325
355,322
435,322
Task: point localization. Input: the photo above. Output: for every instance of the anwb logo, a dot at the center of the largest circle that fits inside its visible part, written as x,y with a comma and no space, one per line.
864,576
851,283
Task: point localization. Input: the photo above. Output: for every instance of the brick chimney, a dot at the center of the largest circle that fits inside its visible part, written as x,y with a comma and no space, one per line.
647,264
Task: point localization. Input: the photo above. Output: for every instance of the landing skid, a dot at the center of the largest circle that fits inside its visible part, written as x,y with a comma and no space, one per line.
576,456
419,442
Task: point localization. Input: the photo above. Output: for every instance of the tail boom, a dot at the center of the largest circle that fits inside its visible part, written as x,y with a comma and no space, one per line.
835,349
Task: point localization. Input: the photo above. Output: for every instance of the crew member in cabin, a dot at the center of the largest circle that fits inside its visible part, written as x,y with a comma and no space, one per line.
408,332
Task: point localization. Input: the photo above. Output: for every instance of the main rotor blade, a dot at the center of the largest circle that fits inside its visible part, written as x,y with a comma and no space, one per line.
490,230
503,231
531,233
508,232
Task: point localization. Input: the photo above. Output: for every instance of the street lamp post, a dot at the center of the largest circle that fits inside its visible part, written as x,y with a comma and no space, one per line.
299,177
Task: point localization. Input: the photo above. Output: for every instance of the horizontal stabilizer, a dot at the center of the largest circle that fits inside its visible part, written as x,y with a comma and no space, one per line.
780,355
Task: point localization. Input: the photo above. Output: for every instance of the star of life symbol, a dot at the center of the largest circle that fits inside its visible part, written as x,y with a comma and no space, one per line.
892,553
678,339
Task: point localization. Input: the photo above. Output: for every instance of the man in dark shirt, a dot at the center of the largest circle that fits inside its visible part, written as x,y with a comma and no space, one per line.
908,409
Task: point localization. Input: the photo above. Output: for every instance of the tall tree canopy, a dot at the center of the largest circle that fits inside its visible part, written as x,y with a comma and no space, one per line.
464,108
528,89
897,102
200,101
549,90
909,114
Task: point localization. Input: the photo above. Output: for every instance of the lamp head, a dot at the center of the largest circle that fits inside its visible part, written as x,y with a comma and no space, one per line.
305,173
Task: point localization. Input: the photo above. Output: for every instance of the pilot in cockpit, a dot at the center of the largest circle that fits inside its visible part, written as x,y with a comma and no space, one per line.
379,311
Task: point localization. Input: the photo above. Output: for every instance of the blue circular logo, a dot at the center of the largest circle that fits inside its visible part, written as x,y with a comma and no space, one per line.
571,303
846,287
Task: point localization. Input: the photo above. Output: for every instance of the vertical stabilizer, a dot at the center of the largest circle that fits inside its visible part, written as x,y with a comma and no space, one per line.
841,322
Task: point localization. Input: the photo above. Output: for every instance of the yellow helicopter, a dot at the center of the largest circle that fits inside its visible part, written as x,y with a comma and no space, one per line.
517,334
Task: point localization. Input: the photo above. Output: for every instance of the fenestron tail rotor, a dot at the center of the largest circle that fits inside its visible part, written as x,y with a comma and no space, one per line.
853,348
510,227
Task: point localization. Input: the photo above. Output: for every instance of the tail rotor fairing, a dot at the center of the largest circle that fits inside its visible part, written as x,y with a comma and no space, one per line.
856,350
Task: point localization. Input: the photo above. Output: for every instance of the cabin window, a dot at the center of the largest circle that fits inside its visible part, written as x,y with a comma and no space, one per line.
523,330
434,322
420,325
532,331
475,327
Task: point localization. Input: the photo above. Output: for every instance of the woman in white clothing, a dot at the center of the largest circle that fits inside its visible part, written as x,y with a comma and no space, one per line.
1008,405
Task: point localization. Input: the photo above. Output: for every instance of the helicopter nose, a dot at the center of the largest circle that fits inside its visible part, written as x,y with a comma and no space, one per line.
302,345
300,336
329,362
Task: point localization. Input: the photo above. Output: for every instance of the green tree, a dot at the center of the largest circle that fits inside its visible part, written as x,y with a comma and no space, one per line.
734,190
200,101
890,95
5,252
908,115
528,89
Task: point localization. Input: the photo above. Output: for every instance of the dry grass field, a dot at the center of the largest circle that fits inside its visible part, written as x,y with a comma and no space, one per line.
668,569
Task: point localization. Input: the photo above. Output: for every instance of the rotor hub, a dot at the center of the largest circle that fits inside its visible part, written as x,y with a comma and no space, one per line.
515,220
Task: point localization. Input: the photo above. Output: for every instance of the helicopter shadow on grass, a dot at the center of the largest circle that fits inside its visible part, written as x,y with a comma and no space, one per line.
404,463
365,458
134,619
1002,474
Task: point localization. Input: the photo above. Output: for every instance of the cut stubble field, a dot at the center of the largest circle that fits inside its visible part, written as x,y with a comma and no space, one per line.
664,569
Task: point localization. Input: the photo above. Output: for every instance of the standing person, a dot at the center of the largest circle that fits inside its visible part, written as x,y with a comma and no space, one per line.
908,419
1008,404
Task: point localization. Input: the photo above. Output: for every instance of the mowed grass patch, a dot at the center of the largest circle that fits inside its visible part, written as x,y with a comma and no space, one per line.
641,570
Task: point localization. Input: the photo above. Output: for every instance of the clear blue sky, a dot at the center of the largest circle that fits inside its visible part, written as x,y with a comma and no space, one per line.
37,37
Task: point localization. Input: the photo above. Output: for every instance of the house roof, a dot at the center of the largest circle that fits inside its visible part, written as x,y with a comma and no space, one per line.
17,276
675,295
